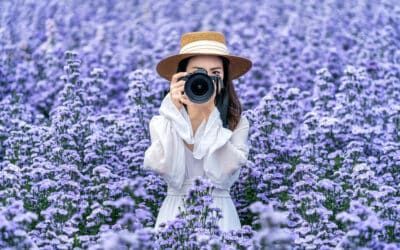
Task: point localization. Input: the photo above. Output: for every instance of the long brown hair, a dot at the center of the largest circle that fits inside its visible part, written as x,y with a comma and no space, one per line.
234,105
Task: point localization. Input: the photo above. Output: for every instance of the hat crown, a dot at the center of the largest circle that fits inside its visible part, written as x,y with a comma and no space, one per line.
203,43
202,35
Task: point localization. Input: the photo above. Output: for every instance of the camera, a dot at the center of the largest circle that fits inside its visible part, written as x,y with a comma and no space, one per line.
199,86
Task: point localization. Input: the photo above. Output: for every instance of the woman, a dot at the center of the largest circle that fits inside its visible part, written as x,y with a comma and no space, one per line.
190,139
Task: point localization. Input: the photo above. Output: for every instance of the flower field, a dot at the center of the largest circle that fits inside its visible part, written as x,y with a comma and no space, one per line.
78,87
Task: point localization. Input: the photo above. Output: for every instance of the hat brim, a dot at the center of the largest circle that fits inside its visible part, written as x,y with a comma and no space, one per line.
238,66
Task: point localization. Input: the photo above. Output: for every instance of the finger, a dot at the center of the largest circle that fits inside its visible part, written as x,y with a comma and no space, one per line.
180,83
178,93
175,95
177,75
177,84
182,100
185,97
185,100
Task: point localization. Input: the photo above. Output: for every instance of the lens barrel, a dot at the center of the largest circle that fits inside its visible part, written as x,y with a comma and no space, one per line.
199,87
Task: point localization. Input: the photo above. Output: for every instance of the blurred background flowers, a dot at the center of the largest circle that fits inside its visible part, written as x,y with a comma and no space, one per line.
78,87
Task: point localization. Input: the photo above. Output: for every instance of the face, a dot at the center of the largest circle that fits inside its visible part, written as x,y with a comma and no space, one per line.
213,65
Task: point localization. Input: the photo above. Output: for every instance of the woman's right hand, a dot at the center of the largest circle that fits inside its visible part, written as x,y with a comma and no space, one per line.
177,90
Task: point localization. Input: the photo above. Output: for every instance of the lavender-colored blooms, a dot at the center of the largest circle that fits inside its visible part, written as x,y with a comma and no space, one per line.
78,87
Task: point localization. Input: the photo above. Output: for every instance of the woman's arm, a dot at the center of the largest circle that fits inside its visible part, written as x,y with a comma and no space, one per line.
166,154
224,151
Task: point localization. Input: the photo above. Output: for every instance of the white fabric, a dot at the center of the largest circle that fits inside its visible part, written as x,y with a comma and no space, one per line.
205,46
218,154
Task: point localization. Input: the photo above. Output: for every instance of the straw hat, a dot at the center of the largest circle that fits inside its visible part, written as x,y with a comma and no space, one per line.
203,43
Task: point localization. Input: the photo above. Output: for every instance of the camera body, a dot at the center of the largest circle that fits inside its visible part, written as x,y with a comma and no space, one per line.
199,86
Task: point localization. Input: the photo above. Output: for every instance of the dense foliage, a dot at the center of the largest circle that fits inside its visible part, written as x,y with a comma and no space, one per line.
78,87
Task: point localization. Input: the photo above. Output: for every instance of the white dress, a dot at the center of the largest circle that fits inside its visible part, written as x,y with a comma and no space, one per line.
218,154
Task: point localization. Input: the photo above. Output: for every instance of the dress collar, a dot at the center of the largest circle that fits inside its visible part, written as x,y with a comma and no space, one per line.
181,119
178,118
213,120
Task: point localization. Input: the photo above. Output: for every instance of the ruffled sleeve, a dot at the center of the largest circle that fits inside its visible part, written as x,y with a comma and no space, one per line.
166,154
224,151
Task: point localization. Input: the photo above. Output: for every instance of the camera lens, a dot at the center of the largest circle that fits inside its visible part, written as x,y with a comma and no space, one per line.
199,88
